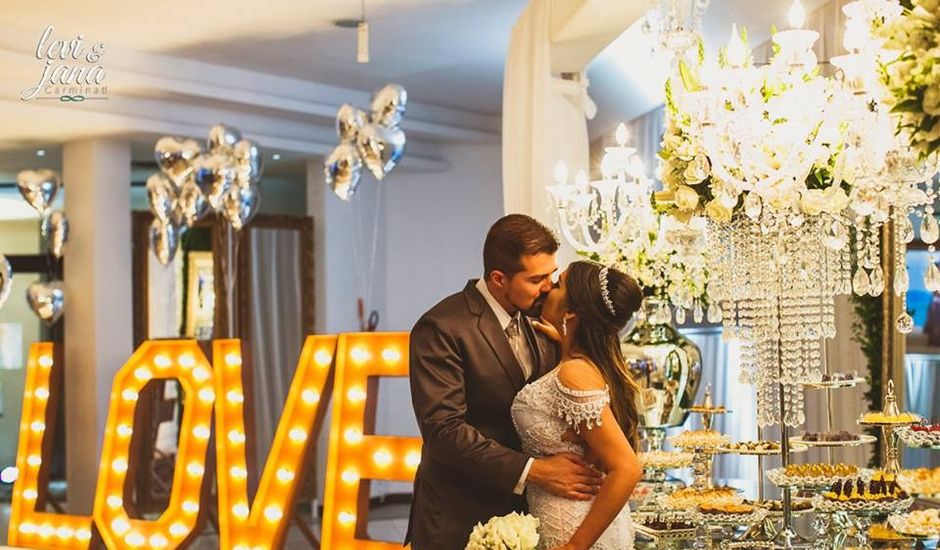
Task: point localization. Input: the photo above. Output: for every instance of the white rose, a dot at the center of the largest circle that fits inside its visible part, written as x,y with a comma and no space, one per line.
782,200
672,172
835,199
672,142
932,101
686,198
812,202
697,170
718,211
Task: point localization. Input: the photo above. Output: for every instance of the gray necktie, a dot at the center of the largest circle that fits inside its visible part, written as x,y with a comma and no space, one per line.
520,347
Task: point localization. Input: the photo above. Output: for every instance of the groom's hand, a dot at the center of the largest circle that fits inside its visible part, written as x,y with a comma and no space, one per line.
566,475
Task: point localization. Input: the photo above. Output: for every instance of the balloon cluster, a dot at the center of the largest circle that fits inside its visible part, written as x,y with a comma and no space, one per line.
375,140
46,298
191,182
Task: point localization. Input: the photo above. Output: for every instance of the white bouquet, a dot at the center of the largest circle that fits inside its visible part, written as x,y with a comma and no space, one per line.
510,532
914,77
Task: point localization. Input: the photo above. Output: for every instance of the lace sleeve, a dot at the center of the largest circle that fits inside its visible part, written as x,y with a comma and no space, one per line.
580,406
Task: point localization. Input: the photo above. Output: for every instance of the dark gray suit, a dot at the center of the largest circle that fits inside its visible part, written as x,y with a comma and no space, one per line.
464,377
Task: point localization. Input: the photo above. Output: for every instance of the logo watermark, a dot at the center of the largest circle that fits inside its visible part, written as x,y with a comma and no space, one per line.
71,72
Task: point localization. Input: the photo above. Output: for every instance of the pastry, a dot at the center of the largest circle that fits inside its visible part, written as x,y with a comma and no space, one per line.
921,481
926,428
829,436
665,459
881,488
655,524
703,439
839,377
691,497
821,470
754,446
726,508
921,523
880,531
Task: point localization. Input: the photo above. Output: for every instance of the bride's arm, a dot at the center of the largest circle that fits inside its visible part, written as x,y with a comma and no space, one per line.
611,447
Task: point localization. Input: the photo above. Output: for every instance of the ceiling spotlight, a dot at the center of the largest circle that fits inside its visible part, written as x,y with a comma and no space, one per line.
40,152
276,156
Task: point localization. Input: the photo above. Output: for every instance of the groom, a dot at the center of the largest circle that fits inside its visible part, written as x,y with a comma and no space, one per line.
470,355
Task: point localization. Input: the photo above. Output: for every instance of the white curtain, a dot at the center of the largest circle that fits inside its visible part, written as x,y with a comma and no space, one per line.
276,330
543,117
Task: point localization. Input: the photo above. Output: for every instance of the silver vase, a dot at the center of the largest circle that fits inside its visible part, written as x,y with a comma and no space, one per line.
666,364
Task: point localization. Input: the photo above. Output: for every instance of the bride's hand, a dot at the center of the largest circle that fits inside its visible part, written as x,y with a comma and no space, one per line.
547,329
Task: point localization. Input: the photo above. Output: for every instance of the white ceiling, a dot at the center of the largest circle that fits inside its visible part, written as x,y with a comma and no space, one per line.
447,53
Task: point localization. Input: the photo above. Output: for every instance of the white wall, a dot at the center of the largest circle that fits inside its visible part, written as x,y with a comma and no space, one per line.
431,232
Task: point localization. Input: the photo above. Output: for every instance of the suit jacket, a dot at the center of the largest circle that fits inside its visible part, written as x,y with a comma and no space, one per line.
464,377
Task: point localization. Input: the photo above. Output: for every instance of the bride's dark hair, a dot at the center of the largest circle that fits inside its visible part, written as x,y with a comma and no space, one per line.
597,334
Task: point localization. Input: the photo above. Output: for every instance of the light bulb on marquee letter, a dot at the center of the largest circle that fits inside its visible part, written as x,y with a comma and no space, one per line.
354,456
117,528
264,522
29,527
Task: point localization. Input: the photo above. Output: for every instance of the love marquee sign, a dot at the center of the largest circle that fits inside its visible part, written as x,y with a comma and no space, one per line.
347,365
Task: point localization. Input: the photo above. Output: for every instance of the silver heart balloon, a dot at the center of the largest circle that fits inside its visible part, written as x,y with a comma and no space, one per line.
389,104
47,300
175,157
343,169
39,187
164,240
161,194
6,279
380,148
222,137
349,120
55,232
240,205
191,205
248,161
214,176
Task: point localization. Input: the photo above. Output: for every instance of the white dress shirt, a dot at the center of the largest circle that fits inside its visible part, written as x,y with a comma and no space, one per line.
504,319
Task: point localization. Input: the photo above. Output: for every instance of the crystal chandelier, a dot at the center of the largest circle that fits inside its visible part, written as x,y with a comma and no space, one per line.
613,220
676,24
592,214
758,145
891,181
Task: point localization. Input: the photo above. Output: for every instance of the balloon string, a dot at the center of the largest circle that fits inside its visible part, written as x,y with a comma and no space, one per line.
366,277
375,241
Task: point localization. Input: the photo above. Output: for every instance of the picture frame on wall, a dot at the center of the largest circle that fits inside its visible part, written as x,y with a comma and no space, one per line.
200,295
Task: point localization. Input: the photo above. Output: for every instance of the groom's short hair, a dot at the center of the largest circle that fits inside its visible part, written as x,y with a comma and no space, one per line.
512,237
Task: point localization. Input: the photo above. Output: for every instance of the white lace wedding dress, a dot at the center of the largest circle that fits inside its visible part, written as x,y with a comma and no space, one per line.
543,412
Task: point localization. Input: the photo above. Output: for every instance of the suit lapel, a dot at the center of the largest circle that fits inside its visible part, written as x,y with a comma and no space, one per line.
492,332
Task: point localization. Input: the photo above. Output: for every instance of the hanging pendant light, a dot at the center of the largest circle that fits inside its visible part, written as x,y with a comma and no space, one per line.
362,50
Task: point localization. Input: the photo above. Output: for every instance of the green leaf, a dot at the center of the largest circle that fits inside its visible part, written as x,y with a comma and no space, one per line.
907,106
689,80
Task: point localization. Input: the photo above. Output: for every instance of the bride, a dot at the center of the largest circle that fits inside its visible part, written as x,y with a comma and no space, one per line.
586,405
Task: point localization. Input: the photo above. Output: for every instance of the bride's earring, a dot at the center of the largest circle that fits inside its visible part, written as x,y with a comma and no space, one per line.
564,326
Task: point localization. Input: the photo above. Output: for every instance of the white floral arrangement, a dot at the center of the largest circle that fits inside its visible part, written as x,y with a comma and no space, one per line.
696,185
513,531
666,256
913,79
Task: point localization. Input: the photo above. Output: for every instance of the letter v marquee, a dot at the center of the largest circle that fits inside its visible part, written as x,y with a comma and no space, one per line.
263,524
